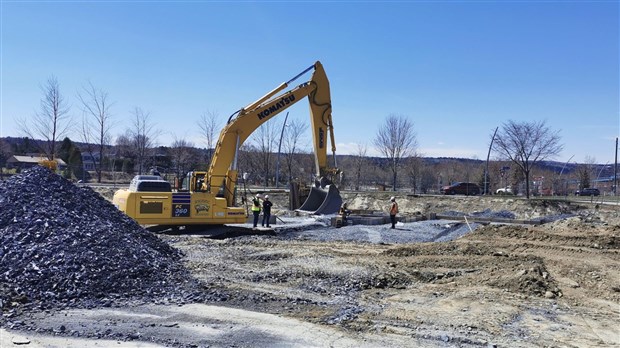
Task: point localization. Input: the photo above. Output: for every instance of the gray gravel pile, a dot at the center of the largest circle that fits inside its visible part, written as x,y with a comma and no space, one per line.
556,217
63,246
487,213
409,232
501,214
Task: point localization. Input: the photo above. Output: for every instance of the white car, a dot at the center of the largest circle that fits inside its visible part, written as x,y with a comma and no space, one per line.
504,191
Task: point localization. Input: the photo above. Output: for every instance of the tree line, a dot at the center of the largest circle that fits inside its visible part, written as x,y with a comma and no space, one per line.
275,149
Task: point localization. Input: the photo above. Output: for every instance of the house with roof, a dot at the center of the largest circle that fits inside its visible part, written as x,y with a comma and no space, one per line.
90,161
29,161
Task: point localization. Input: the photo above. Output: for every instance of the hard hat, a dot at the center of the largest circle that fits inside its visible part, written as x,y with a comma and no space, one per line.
266,196
392,198
258,195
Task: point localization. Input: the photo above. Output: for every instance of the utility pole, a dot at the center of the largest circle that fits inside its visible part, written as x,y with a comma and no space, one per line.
616,170
486,169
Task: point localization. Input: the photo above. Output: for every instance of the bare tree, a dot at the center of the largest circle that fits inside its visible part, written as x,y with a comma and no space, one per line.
143,136
293,133
265,140
525,144
396,140
124,144
5,153
209,129
427,178
51,123
450,171
249,159
182,154
96,124
414,170
585,172
124,150
360,163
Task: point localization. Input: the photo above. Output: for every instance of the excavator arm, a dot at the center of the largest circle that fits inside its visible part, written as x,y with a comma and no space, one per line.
223,168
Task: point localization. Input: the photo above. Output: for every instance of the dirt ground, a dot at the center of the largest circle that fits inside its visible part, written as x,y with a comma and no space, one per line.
502,285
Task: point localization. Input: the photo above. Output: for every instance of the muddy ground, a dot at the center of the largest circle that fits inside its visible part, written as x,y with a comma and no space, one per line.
502,285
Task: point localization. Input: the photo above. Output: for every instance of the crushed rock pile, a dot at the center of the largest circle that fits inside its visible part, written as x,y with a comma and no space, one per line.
487,213
64,246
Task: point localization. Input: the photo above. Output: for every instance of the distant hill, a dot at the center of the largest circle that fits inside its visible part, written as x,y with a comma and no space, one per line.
603,170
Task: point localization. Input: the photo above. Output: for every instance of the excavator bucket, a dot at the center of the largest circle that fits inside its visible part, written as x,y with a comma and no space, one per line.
322,200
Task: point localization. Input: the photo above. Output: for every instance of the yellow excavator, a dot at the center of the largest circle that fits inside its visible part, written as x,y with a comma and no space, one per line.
208,198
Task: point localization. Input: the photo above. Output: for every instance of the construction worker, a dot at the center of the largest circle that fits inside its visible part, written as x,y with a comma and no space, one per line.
256,209
203,184
393,211
266,211
344,213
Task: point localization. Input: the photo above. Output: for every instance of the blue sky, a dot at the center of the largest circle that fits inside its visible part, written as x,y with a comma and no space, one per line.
456,69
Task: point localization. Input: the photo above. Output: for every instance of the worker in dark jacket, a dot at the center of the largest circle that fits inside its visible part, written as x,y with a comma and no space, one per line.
344,213
256,209
266,211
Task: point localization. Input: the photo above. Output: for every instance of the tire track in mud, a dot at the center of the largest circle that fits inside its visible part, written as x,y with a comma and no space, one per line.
563,251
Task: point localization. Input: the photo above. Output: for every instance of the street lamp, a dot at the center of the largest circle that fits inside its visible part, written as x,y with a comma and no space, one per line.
279,147
560,176
600,171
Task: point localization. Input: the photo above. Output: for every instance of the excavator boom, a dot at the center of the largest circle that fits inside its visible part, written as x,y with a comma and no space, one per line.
245,121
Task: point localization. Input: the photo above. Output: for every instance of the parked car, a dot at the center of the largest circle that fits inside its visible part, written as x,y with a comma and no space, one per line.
461,188
588,191
504,191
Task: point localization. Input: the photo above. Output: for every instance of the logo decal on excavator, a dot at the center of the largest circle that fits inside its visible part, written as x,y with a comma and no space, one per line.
201,207
277,106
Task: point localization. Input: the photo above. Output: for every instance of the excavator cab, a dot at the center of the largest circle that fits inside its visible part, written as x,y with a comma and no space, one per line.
194,182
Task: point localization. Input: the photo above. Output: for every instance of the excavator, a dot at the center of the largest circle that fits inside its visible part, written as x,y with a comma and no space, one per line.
208,198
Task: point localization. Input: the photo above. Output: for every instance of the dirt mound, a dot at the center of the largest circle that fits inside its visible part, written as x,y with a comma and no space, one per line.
64,246
465,262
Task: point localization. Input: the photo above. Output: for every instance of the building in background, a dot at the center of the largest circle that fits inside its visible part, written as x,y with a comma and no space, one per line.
28,161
